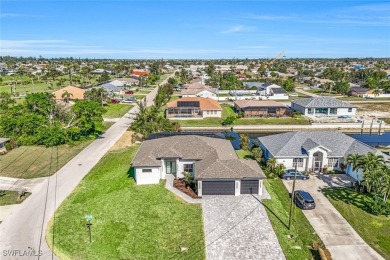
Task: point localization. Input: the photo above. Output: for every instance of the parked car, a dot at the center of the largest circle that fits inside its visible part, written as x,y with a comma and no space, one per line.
289,174
344,116
293,94
304,200
115,101
129,92
130,100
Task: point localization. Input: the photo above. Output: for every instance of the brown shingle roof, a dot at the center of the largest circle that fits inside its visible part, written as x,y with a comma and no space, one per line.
76,93
256,103
204,103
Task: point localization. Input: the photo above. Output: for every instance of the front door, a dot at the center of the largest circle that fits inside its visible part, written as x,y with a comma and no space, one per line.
170,167
317,166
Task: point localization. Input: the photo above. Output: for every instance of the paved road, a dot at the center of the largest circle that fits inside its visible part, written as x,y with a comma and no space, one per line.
25,229
238,228
337,234
300,90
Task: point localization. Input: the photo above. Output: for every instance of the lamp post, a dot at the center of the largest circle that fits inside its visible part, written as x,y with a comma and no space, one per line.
292,197
88,218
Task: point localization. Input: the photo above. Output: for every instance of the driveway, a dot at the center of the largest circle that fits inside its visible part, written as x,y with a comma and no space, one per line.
337,234
238,228
23,232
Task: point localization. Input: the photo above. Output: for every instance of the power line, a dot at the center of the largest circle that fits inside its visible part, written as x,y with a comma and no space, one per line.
44,209
197,252
17,157
216,226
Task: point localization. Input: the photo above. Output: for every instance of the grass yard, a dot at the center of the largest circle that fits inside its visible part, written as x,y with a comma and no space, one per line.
321,92
34,161
353,98
9,197
242,154
304,242
129,221
352,206
29,88
116,110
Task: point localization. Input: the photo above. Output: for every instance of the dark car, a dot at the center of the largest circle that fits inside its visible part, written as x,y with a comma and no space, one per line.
289,175
129,92
304,200
115,101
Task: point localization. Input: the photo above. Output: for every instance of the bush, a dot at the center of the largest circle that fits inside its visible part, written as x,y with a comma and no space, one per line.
8,147
378,207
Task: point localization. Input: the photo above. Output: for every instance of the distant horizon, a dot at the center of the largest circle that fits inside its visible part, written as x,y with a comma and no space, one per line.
195,29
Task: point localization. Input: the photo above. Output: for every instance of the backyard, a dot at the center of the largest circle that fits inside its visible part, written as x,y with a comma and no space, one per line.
228,110
129,221
354,208
301,242
37,161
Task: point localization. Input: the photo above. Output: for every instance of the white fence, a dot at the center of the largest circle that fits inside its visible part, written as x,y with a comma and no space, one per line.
234,98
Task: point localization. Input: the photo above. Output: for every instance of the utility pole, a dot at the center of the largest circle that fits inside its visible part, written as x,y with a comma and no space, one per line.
292,197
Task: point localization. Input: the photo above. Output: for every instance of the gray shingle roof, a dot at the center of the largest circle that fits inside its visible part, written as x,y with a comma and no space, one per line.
215,158
314,102
296,144
278,90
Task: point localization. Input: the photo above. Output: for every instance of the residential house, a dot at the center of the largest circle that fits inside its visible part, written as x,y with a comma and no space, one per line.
212,162
111,88
193,107
323,106
254,108
270,89
361,92
140,73
127,81
198,90
313,150
74,93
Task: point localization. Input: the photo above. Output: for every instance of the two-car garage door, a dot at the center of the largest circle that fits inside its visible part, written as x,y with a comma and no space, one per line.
220,187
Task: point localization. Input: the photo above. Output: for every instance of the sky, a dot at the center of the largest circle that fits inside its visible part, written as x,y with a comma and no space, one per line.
195,29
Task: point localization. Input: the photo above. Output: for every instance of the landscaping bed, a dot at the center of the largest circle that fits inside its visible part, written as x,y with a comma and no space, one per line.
181,186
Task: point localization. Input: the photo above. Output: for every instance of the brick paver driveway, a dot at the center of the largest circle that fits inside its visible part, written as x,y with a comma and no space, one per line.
238,228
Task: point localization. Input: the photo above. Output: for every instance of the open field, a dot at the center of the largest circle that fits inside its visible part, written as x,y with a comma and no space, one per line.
321,92
116,110
37,161
353,207
352,98
129,221
12,197
304,240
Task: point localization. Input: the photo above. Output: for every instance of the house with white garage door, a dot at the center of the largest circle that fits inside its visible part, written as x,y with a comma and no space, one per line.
212,161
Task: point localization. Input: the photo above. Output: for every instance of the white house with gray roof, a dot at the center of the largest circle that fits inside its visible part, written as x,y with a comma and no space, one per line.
313,150
212,161
323,106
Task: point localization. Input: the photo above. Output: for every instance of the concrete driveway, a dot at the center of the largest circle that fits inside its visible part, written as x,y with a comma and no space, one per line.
337,234
238,228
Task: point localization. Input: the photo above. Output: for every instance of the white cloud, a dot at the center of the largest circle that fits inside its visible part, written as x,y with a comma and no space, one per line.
237,29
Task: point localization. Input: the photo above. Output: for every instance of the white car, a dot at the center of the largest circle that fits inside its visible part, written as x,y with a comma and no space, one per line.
293,94
130,100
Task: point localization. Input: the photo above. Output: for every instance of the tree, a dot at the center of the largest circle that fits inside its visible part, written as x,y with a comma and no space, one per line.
279,169
271,164
288,85
6,100
257,154
354,160
229,120
96,94
244,142
66,96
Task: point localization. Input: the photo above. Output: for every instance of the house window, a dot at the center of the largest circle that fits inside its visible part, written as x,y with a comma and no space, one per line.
310,111
350,109
333,111
208,112
322,110
298,162
333,162
146,170
189,167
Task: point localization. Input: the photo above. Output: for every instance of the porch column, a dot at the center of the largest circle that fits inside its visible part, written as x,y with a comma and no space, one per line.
260,187
163,169
237,190
200,188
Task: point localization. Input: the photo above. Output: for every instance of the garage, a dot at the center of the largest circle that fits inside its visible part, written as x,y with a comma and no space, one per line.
218,188
249,186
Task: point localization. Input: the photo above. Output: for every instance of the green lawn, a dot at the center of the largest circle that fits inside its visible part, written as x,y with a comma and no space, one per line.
29,88
116,110
129,221
304,236
12,197
375,230
242,154
34,161
322,92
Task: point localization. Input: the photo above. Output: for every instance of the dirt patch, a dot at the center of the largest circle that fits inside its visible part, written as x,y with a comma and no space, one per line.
126,140
181,186
373,110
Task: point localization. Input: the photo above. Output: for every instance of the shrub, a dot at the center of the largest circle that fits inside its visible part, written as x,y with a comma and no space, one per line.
8,147
378,207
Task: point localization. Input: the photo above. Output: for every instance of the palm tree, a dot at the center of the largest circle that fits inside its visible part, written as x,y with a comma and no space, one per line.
354,160
371,161
279,169
271,164
66,96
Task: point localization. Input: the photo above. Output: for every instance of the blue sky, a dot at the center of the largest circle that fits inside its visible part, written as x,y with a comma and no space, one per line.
195,29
